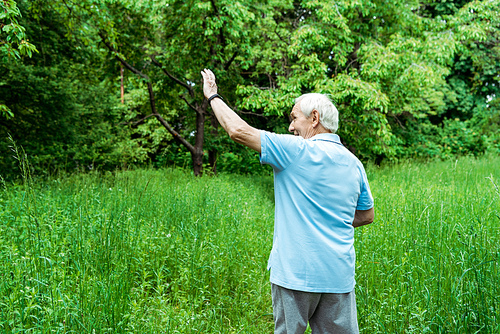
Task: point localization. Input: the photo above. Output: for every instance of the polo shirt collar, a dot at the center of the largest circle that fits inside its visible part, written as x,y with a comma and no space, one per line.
328,137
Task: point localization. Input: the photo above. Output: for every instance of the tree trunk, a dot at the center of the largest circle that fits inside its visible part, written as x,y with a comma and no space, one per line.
197,158
212,154
197,154
122,88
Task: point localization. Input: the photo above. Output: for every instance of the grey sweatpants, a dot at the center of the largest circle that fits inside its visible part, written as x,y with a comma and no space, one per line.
326,312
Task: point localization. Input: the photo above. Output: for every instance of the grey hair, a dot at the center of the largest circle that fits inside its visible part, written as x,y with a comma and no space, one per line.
328,114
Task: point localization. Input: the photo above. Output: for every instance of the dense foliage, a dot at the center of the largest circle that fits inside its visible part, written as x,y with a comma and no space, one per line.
410,78
13,41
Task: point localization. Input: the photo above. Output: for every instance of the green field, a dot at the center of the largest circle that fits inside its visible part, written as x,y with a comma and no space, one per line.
158,251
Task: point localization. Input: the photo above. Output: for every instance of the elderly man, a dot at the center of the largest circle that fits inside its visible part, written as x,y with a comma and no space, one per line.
322,194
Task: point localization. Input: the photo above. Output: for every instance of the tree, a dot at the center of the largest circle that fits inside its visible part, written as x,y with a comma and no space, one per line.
63,116
466,122
385,64
475,76
168,43
13,41
377,60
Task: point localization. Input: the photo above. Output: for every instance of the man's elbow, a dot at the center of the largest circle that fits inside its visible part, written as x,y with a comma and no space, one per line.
245,135
369,221
239,133
371,216
235,133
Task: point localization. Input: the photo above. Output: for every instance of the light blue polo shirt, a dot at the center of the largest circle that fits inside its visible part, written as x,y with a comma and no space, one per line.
318,185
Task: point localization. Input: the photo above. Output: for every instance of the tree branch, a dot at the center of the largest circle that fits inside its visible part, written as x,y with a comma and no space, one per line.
230,61
222,38
189,104
69,9
167,73
215,7
163,122
249,113
399,122
138,121
121,60
238,111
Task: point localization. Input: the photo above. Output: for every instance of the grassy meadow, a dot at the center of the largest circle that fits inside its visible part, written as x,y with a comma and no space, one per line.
158,251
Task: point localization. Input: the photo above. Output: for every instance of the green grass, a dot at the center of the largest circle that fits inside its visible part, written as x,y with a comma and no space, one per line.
429,263
140,251
158,251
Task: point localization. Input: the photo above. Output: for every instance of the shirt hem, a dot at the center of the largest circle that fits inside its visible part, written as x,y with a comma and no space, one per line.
363,207
312,289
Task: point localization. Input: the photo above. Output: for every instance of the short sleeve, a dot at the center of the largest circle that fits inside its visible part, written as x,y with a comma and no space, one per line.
279,151
365,200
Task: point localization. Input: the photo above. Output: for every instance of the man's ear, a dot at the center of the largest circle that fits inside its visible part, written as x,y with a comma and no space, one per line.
315,118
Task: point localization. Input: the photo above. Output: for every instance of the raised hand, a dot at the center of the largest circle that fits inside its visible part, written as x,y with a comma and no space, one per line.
209,85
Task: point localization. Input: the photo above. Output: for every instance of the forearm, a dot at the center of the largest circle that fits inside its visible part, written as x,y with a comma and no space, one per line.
363,217
227,118
235,126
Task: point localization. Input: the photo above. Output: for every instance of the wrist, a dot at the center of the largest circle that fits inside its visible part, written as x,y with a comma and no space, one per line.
213,96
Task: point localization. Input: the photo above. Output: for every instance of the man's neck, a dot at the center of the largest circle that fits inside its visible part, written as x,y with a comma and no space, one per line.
321,129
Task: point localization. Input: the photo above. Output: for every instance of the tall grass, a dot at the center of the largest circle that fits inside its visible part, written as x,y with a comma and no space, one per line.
429,263
140,251
150,251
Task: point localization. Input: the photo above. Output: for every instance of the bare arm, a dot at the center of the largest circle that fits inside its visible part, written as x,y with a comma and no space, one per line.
237,128
363,217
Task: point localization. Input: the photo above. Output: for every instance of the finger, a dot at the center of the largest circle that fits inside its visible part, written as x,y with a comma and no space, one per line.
205,77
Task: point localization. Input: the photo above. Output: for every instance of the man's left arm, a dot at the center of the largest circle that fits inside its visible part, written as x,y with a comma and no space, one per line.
363,217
